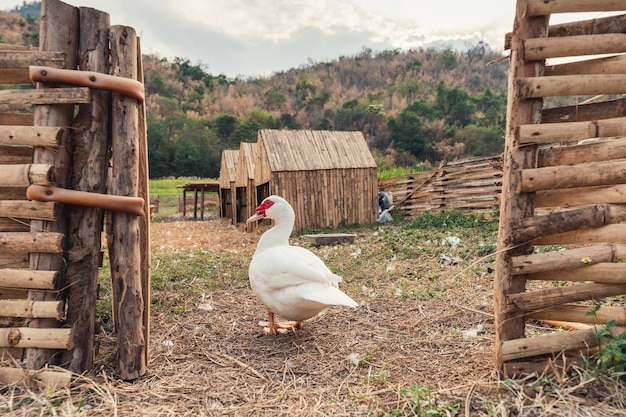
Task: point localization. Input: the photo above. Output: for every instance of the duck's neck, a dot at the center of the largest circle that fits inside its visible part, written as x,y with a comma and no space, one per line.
277,235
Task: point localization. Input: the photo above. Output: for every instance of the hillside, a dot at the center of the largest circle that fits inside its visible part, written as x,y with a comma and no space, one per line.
412,106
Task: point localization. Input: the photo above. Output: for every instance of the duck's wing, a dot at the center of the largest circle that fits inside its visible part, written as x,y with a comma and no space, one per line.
290,266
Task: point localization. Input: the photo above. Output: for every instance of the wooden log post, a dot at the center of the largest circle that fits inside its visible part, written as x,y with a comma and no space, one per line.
58,37
125,253
510,324
91,138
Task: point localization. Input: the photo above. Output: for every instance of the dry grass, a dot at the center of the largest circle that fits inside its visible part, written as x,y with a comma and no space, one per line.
421,339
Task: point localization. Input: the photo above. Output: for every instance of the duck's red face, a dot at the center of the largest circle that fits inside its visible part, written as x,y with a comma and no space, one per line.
260,210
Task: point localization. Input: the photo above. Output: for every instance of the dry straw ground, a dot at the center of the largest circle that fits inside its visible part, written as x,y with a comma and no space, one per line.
420,343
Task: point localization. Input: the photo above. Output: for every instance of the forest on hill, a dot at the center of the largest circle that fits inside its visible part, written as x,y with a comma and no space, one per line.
412,106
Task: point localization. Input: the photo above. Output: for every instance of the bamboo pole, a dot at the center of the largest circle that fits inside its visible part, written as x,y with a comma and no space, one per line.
33,309
31,242
571,85
612,233
26,174
548,344
536,300
33,210
603,272
42,377
573,176
580,314
572,131
543,48
126,254
607,65
601,151
565,259
59,33
31,135
530,228
606,194
42,338
21,278
547,7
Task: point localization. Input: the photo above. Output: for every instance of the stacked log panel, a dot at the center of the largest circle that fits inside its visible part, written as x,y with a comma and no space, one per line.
558,190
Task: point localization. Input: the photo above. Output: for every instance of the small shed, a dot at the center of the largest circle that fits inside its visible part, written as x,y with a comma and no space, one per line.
328,177
244,182
228,175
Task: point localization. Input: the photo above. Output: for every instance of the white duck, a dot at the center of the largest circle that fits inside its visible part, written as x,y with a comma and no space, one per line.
291,281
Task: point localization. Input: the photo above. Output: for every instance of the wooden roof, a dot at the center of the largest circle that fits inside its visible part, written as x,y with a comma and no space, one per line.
245,166
228,169
302,150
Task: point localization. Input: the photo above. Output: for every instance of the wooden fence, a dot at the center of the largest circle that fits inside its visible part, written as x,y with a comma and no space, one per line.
563,200
469,186
59,179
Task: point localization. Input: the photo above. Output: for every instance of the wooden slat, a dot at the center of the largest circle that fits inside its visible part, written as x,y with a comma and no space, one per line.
32,309
14,76
68,95
565,259
26,174
572,176
17,119
42,377
548,343
603,272
571,85
13,260
26,337
572,131
31,242
22,59
590,152
578,313
546,7
612,233
14,225
606,194
12,193
31,135
25,278
535,300
607,65
32,210
543,48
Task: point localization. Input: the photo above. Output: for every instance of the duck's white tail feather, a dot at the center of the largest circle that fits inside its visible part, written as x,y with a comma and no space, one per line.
329,295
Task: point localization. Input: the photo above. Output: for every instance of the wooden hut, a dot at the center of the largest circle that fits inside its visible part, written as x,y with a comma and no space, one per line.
328,177
246,190
228,175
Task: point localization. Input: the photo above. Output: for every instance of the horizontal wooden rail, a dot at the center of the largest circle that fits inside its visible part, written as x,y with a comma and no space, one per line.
27,337
572,131
607,65
612,233
32,135
14,76
577,313
600,151
33,309
536,300
28,278
26,174
14,260
548,344
31,242
23,59
541,48
70,95
17,119
566,259
572,176
45,377
604,272
31,210
530,228
571,85
546,7
605,194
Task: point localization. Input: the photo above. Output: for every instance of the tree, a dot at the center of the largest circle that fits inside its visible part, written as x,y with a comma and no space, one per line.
225,125
407,132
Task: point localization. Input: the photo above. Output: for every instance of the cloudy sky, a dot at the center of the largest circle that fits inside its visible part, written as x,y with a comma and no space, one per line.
259,37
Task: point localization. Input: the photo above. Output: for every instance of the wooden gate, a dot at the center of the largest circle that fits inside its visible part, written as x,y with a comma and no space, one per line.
562,239
59,179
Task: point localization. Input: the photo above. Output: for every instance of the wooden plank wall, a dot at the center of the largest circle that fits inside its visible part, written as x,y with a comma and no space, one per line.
228,177
558,190
246,189
470,186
